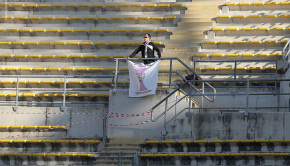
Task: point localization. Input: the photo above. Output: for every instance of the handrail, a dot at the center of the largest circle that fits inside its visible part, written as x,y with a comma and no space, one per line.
285,54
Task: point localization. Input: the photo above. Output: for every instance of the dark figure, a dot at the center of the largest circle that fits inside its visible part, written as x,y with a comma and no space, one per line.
147,49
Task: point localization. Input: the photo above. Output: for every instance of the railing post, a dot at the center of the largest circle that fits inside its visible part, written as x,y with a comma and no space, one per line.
276,76
202,97
164,131
189,97
235,78
116,74
247,100
170,73
105,127
16,101
64,94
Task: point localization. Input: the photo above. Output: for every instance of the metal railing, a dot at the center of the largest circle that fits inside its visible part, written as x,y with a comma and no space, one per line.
64,90
235,74
186,82
285,54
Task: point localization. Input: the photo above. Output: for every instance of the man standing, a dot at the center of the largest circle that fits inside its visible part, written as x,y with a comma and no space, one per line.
147,49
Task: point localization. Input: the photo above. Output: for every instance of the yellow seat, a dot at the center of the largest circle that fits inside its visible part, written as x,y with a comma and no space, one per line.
90,56
53,154
16,127
94,30
76,141
248,55
85,95
284,3
241,68
127,43
104,82
28,95
262,54
43,95
97,69
224,16
137,5
130,18
6,141
21,18
44,127
239,16
75,82
90,82
59,127
225,42
114,43
200,141
48,18
73,43
271,16
57,5
263,29
34,56
121,30
19,43
34,141
90,18
144,18
80,18
258,3
62,18
210,42
255,42
244,4
93,141
26,68
135,30
271,41
7,17
68,69
12,68
255,16
240,42
247,29
69,154
97,5
170,17
54,69
100,43
10,154
84,154
30,127
53,30
272,3
47,82
86,43
279,28
5,43
46,43
70,5
25,30
163,5
217,29
6,82
39,154
103,18
210,68
4,127
32,43
40,69
60,43
111,5
157,18
31,5
35,18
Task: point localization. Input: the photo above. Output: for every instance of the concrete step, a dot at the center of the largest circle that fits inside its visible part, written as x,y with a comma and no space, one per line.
186,37
199,11
201,15
193,19
188,32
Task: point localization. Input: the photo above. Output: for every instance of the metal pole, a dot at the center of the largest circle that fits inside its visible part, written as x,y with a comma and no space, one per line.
116,74
17,88
276,76
169,89
164,132
64,93
247,100
105,128
175,109
189,97
235,78
202,97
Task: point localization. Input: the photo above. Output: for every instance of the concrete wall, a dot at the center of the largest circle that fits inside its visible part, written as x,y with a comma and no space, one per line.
50,116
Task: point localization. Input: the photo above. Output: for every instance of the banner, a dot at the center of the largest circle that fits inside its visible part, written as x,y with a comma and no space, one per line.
143,78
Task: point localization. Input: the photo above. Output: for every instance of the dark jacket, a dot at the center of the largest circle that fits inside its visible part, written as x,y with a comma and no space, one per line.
150,52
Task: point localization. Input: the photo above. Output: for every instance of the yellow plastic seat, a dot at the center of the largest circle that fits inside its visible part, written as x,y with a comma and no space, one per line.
46,43
255,16
30,127
124,5
90,82
239,16
137,5
90,56
270,16
247,29
240,42
144,18
16,127
86,43
34,56
40,69
255,42
71,5
7,17
68,69
200,141
53,30
97,5
201,55
5,43
210,42
263,29
84,154
4,127
272,3
54,69
279,28
25,30
258,3
47,82
271,41
121,30
248,55
284,3
75,82
103,18
97,69
60,43
43,95
262,54
6,82
48,18
80,18
12,68
244,4
225,42
157,18
90,18
28,95
73,43
224,16
44,127
57,5
170,17
39,154
92,141
94,30
62,18
69,154
100,43
76,141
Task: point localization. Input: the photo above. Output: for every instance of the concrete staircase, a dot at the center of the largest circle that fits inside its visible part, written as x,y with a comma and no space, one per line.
188,35
120,151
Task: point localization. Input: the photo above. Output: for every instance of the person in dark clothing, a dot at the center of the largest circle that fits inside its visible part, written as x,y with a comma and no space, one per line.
147,49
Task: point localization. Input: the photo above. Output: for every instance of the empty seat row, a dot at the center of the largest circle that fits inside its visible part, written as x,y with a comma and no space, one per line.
238,68
87,18
74,43
217,141
243,55
93,5
62,56
255,16
58,69
247,42
48,154
51,141
62,82
84,30
211,154
53,95
256,3
32,127
251,29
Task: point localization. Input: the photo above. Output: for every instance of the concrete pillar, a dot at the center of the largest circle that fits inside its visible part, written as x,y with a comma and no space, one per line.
177,161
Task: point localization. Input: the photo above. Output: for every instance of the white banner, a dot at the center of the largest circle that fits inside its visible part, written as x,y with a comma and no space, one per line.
143,78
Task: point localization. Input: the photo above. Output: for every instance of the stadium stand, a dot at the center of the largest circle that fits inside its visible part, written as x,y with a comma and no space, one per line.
64,83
